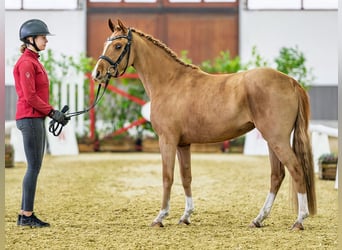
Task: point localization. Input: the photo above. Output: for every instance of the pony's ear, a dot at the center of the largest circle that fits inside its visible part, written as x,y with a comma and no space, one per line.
111,25
122,26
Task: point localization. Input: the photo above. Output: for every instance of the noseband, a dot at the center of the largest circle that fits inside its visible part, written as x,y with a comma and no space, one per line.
126,50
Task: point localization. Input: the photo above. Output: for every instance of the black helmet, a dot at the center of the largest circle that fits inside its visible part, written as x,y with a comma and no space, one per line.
33,27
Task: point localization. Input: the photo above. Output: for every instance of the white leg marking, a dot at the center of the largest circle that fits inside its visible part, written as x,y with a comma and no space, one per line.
163,213
189,209
303,210
266,209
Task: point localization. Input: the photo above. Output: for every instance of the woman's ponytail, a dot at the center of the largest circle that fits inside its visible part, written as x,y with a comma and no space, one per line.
23,47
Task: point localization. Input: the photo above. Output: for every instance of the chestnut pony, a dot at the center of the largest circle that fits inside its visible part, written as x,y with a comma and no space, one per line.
191,106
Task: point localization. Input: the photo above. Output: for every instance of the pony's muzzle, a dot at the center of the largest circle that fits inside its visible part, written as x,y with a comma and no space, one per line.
97,75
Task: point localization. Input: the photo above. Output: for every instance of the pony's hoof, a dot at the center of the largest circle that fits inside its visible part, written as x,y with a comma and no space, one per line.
255,224
297,226
157,224
185,221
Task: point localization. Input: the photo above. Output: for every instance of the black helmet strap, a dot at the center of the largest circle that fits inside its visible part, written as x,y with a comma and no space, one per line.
33,44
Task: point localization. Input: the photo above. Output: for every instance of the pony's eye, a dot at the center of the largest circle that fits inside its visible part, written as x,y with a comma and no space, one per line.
118,46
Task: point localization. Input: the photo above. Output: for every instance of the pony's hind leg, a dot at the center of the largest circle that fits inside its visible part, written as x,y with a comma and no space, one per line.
287,156
183,154
277,177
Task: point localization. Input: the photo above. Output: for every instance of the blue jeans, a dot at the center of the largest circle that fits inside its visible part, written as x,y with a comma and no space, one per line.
33,131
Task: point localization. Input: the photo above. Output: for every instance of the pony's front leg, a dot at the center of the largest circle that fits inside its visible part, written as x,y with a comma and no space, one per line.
184,159
168,154
189,209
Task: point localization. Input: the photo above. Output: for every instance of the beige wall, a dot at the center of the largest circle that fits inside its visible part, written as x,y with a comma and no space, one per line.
315,33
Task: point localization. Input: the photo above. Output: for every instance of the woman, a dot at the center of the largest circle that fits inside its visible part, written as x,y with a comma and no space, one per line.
32,87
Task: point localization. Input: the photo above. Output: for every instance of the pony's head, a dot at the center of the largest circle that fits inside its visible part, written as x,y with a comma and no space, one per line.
115,57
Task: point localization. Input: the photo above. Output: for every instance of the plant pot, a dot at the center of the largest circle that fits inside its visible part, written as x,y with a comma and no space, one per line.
9,156
86,144
150,145
125,144
327,171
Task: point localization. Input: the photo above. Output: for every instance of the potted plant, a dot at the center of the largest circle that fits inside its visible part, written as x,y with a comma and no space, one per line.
119,143
9,156
327,166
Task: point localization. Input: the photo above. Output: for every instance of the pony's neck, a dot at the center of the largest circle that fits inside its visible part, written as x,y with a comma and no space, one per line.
154,63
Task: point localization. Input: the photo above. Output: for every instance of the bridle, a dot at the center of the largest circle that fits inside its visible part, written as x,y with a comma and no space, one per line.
114,65
56,127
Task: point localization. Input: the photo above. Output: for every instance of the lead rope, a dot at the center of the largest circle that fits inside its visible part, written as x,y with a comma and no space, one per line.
56,127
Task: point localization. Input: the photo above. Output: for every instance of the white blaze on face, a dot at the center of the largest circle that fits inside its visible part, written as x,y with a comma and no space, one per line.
97,63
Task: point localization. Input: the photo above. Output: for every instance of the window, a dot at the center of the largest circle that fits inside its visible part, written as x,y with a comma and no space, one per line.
12,4
158,4
199,1
41,4
123,1
154,1
320,4
291,4
140,1
272,4
184,1
104,1
219,1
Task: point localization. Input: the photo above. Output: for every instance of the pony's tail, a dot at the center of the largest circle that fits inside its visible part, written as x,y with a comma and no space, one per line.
303,151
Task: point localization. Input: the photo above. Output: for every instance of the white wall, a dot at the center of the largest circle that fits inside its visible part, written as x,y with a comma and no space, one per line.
315,33
68,26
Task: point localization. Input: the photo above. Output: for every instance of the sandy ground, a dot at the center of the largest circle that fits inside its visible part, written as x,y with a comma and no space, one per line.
108,200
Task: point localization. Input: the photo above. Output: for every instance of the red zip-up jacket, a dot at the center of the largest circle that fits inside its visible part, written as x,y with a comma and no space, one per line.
32,86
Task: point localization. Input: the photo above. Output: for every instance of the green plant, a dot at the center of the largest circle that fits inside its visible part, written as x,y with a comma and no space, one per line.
223,64
184,56
257,60
328,158
291,61
220,64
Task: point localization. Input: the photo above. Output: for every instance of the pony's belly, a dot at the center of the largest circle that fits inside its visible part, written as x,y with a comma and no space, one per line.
212,135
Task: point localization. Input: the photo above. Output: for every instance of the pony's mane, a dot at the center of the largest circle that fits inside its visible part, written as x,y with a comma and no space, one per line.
161,45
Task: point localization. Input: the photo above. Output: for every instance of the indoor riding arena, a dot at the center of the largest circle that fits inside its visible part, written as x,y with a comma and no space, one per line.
176,124
108,201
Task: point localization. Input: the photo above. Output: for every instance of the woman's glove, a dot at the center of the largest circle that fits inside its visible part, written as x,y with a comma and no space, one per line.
59,117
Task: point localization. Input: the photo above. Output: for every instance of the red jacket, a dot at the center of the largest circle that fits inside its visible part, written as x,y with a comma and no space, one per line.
32,86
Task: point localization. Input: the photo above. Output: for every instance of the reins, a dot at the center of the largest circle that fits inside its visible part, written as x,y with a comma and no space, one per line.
55,127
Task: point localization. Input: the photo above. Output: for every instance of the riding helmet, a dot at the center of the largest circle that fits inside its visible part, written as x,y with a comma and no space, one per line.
33,27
